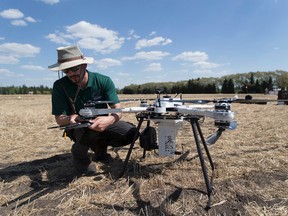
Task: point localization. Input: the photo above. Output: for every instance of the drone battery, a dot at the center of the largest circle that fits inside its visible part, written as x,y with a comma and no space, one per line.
167,132
148,139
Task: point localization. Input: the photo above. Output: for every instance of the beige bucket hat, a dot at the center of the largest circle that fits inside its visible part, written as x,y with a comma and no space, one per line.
68,57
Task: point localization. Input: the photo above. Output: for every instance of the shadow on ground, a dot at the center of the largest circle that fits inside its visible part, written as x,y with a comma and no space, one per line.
46,175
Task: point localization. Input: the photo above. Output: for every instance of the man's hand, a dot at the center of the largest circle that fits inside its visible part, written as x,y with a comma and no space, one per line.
75,118
102,122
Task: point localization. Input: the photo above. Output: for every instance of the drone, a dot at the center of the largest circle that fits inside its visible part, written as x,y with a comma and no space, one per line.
169,114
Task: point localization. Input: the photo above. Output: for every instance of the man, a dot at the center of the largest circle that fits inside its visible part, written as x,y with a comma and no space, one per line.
70,93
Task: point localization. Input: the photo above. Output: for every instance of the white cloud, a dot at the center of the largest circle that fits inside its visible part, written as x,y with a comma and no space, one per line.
153,42
126,75
192,56
30,19
58,39
18,23
206,65
8,73
132,35
11,14
51,2
203,72
16,16
2,38
152,55
105,46
107,62
5,72
84,29
199,60
153,67
19,50
33,67
89,36
11,52
8,59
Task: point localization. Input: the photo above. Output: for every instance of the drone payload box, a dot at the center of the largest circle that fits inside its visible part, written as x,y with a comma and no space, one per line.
167,133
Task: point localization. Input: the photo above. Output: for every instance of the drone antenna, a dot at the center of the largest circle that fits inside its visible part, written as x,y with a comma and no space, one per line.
158,92
159,98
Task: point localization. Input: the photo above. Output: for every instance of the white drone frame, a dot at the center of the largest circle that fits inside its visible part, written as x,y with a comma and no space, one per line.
167,127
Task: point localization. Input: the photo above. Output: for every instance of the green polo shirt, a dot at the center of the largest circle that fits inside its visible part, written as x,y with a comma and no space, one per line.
99,88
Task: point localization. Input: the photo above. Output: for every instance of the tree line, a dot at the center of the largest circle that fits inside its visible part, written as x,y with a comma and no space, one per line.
253,82
25,90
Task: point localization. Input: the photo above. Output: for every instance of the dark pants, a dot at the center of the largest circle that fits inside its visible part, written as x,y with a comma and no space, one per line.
118,134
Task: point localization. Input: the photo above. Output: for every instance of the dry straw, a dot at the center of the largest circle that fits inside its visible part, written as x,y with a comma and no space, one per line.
37,177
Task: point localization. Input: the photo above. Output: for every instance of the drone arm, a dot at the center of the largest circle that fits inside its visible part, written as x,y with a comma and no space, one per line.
217,115
93,112
71,126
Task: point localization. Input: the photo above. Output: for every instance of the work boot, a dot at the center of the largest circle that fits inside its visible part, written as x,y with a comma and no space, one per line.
85,168
81,161
104,158
100,154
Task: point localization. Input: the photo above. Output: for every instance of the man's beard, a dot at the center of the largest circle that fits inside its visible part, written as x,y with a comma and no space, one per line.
75,79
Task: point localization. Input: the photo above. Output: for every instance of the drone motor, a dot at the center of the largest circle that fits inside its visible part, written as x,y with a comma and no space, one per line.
224,107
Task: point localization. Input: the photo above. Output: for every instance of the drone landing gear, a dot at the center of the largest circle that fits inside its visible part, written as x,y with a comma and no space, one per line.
197,132
194,121
131,146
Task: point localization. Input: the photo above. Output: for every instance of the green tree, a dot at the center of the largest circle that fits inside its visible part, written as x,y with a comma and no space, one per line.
224,86
257,87
283,81
270,84
230,86
252,80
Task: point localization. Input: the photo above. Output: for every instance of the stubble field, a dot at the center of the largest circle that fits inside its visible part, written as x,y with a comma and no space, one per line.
37,176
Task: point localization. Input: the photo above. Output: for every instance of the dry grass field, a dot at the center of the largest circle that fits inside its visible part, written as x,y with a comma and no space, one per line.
37,177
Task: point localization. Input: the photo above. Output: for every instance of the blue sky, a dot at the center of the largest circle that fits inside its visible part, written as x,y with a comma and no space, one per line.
135,41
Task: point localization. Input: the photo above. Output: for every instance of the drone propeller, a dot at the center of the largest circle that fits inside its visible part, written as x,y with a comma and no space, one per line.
169,99
232,100
257,101
192,101
93,103
220,100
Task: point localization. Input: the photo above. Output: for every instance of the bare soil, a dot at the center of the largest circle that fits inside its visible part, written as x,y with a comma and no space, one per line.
251,176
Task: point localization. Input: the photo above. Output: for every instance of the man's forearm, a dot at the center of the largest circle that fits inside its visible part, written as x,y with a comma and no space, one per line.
63,119
117,116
